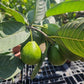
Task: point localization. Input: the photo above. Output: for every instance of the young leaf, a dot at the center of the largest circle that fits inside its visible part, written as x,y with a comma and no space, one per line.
39,10
11,35
14,13
35,16
9,67
64,7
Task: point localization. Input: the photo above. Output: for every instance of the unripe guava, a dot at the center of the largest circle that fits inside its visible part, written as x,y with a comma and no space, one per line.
31,53
55,57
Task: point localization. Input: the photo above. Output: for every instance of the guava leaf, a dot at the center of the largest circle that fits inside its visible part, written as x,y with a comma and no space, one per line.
68,54
9,66
14,13
30,16
64,7
36,15
1,16
48,4
72,35
40,10
11,35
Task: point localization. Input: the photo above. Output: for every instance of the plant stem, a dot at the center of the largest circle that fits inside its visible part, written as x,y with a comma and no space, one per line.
46,36
31,35
13,80
40,31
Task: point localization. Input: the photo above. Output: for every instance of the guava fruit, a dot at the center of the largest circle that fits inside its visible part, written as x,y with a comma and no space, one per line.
31,53
55,57
50,29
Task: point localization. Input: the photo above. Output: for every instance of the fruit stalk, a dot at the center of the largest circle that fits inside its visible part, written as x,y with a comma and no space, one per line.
31,35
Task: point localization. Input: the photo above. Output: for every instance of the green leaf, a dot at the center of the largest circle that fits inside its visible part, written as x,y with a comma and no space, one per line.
30,16
65,52
72,35
11,35
39,10
1,16
9,66
35,16
14,13
74,0
64,7
68,54
48,4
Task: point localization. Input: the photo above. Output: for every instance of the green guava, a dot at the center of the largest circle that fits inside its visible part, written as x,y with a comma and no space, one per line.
31,53
55,57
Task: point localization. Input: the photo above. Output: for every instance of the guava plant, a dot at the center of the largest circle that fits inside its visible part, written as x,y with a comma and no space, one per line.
38,26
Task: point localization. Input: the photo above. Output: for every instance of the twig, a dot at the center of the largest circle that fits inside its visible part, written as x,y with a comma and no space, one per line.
38,30
46,36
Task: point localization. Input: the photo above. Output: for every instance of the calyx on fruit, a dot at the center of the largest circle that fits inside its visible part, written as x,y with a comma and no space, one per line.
54,56
31,53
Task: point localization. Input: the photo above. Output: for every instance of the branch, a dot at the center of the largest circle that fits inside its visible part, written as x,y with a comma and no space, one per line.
47,37
31,27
